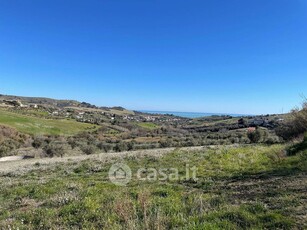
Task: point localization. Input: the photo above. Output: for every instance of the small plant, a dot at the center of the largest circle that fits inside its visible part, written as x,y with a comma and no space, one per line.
88,149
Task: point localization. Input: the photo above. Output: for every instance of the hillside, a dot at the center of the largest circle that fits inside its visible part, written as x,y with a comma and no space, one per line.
60,104
255,187
68,127
214,172
40,100
39,126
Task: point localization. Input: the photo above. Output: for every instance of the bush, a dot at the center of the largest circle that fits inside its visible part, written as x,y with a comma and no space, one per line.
7,146
130,146
296,125
72,142
88,149
254,136
296,148
54,149
38,142
104,146
121,146
272,140
164,144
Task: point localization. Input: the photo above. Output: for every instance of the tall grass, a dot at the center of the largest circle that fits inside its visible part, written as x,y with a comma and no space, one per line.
237,188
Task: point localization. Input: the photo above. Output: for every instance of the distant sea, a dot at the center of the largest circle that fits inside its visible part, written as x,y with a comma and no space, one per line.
191,114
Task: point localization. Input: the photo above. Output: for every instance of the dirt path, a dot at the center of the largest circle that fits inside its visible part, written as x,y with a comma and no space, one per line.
12,158
20,166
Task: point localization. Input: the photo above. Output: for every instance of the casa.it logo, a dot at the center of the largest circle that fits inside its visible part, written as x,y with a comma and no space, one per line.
120,174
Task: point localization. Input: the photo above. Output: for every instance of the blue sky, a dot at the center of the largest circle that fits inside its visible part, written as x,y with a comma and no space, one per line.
201,55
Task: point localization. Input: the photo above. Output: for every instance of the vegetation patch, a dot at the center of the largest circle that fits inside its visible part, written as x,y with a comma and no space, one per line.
40,126
237,188
148,125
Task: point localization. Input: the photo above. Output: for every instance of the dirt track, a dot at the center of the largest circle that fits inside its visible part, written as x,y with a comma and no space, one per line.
12,158
21,166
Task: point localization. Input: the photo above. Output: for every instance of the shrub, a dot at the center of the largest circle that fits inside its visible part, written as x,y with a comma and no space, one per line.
272,140
104,146
38,142
254,136
7,146
296,125
121,146
296,148
88,149
164,144
130,146
54,149
72,142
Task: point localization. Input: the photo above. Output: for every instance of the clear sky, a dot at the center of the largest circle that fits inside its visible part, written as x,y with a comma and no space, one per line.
226,56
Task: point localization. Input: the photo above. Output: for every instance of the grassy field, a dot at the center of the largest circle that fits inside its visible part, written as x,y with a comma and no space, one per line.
255,187
113,111
41,126
148,125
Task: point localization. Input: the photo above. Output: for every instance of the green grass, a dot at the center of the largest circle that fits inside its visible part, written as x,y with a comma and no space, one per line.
254,187
41,126
34,112
148,125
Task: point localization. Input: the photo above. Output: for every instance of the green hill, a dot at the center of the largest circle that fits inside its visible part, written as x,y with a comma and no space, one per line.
40,126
